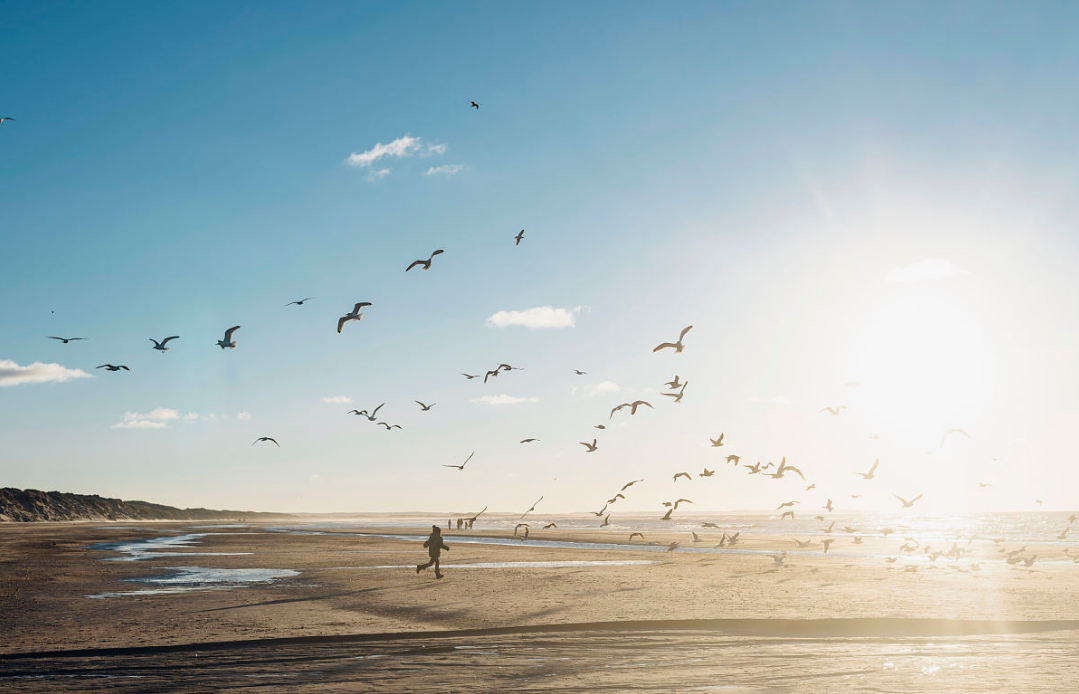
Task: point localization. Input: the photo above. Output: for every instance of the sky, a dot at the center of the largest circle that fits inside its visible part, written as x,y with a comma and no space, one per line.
830,193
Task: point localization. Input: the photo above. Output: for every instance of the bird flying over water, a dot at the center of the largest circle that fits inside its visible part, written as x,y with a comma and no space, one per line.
300,302
462,465
266,438
425,407
632,407
425,263
111,367
354,314
163,345
676,346
65,340
826,542
828,506
590,446
633,535
627,485
228,342
907,504
787,513
532,508
520,235
872,471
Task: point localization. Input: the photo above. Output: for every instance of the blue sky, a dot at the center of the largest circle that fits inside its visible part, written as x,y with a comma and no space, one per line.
754,170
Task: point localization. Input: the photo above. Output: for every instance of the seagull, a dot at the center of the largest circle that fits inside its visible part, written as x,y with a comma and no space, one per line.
388,426
549,526
425,407
802,545
580,373
733,458
517,527
354,314
462,465
606,521
4,118
784,505
521,234
828,506
163,345
65,340
826,542
696,537
359,413
599,513
475,105
907,504
528,440
828,530
590,446
872,471
716,443
953,430
675,384
676,346
787,513
778,558
110,367
671,547
681,501
678,396
754,469
615,498
683,474
266,438
532,508
708,524
784,468
633,535
599,426
1071,518
470,376
300,302
627,485
632,407
425,263
228,342
811,486
667,515
374,414
707,473
834,411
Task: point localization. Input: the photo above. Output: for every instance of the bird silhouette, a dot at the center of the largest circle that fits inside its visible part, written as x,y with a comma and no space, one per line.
300,302
111,367
163,345
228,342
716,443
590,446
475,105
462,465
425,263
907,504
676,346
528,440
632,407
834,411
424,407
627,485
520,235
872,471
683,474
354,314
5,118
266,438
65,340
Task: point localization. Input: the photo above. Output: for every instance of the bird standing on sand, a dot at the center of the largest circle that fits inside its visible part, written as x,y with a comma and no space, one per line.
266,438
163,345
65,340
676,346
521,234
590,446
425,263
462,465
228,342
354,314
111,367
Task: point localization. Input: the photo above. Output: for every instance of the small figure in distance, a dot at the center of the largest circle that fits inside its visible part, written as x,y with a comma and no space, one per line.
434,545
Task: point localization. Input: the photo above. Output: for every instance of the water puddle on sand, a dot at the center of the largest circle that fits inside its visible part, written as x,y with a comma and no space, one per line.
515,565
150,548
187,579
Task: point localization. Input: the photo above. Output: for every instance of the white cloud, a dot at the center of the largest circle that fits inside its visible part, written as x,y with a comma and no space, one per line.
501,400
447,169
406,146
11,374
774,400
926,271
590,391
245,416
154,419
538,317
378,174
192,416
338,400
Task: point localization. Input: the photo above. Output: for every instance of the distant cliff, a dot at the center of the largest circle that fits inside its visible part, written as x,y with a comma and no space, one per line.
28,505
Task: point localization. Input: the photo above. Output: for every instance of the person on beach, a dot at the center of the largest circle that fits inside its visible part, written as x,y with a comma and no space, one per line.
434,545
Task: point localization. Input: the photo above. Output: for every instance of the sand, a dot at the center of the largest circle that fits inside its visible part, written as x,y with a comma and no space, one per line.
821,623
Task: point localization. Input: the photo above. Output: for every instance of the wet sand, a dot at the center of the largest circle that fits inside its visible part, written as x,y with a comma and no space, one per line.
845,621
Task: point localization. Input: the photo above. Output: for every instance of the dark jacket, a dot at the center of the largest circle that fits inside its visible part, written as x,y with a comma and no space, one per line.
435,545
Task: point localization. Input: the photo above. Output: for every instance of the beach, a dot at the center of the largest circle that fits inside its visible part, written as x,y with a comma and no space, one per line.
313,606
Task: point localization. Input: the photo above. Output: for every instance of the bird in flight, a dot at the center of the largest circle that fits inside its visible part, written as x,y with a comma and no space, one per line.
110,367
953,430
228,342
788,503
733,459
65,340
678,396
716,443
300,302
521,234
163,345
787,513
266,438
590,446
388,425
5,118
675,384
528,440
469,376
834,411
633,535
462,465
828,506
550,525
425,407
615,498
802,544
425,263
784,468
683,474
811,486
599,513
475,105
599,426
826,542
907,504
707,473
872,471
532,508
354,314
676,346
707,524
370,417
778,558
580,373
632,407
606,521
627,485
754,469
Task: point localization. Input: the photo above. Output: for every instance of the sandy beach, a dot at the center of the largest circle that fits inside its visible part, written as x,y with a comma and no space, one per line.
182,607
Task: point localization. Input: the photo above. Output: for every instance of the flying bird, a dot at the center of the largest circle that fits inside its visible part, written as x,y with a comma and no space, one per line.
786,504
872,471
802,544
707,473
599,426
388,425
676,346
300,302
110,367
266,438
590,446
374,414
784,468
606,521
228,342
528,440
462,465
4,118
667,515
716,443
683,474
65,340
907,504
599,513
826,542
425,263
733,458
834,411
627,485
778,558
632,407
615,498
425,407
671,547
580,373
532,508
469,376
675,384
549,526
354,314
828,506
678,396
475,105
633,535
163,345
787,513
521,234
811,486
953,430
